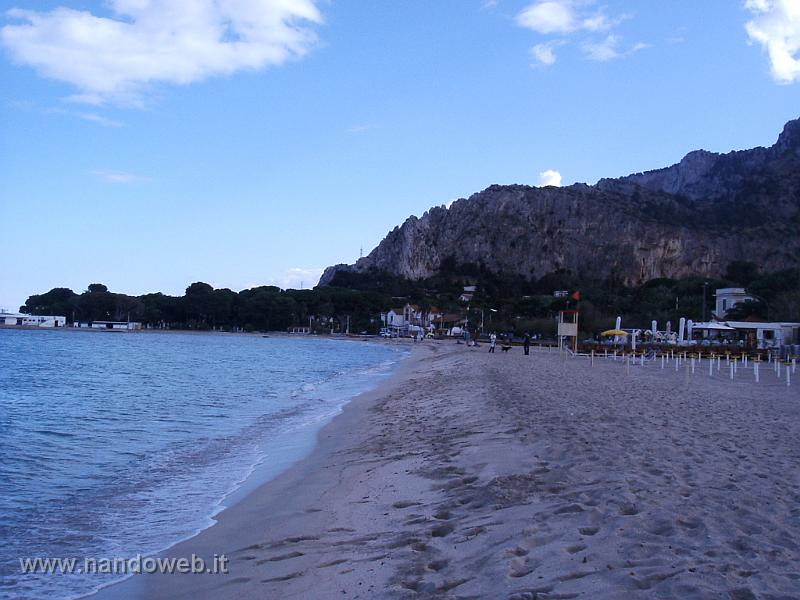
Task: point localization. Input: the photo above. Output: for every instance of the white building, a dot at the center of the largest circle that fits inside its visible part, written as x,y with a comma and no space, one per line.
727,298
767,335
469,292
24,320
394,317
112,325
409,318
751,334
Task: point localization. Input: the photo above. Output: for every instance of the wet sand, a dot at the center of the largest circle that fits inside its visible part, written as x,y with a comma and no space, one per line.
477,475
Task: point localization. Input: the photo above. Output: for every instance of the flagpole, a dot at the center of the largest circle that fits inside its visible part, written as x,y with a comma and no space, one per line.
577,319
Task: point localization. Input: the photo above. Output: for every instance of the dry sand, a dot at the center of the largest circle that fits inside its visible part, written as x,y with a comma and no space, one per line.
477,475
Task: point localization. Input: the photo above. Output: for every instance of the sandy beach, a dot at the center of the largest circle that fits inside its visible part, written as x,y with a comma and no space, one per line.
477,475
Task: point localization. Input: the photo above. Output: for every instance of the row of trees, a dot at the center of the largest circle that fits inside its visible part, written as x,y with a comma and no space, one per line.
265,308
518,304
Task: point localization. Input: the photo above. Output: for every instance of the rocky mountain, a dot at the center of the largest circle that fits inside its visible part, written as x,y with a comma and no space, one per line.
692,218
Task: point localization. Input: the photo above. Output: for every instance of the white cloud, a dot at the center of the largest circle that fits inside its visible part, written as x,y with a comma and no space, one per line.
603,50
549,177
757,5
565,16
358,129
569,18
776,26
678,36
296,278
544,53
550,16
146,42
119,177
86,116
608,49
101,120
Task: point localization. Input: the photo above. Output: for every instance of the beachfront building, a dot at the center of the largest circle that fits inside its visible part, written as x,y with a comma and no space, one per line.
449,324
109,325
766,336
25,320
727,298
749,334
409,318
394,317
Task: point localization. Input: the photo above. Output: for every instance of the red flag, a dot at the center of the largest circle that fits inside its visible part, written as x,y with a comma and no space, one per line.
576,295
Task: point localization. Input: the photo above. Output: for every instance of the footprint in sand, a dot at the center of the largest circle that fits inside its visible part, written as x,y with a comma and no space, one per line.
520,568
437,565
442,530
280,557
405,504
569,508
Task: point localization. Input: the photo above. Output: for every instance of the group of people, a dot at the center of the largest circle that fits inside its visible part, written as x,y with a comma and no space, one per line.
507,339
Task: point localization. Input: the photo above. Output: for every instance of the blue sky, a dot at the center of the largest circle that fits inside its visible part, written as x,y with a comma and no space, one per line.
147,144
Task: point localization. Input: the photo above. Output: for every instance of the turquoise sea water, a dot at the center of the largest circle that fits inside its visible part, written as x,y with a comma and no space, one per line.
115,444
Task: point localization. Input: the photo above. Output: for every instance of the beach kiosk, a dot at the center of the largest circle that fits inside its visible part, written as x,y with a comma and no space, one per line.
568,329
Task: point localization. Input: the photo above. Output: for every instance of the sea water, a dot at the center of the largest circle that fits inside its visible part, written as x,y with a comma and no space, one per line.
116,444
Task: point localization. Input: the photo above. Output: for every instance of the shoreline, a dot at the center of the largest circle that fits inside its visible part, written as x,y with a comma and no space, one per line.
254,483
468,474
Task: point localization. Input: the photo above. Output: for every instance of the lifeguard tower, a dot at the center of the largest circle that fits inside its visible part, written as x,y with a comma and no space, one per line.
568,329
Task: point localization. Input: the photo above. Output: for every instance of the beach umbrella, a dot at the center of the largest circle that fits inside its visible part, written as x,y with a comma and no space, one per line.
713,326
614,332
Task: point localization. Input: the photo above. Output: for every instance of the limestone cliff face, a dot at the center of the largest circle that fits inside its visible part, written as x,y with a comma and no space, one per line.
692,218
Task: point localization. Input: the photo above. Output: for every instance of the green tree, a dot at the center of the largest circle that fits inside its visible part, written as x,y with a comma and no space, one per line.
742,272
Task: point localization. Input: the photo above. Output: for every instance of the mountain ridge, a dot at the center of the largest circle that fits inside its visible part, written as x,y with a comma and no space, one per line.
691,218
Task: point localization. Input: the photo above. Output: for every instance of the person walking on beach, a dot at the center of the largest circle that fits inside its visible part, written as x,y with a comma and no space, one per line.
492,342
526,343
